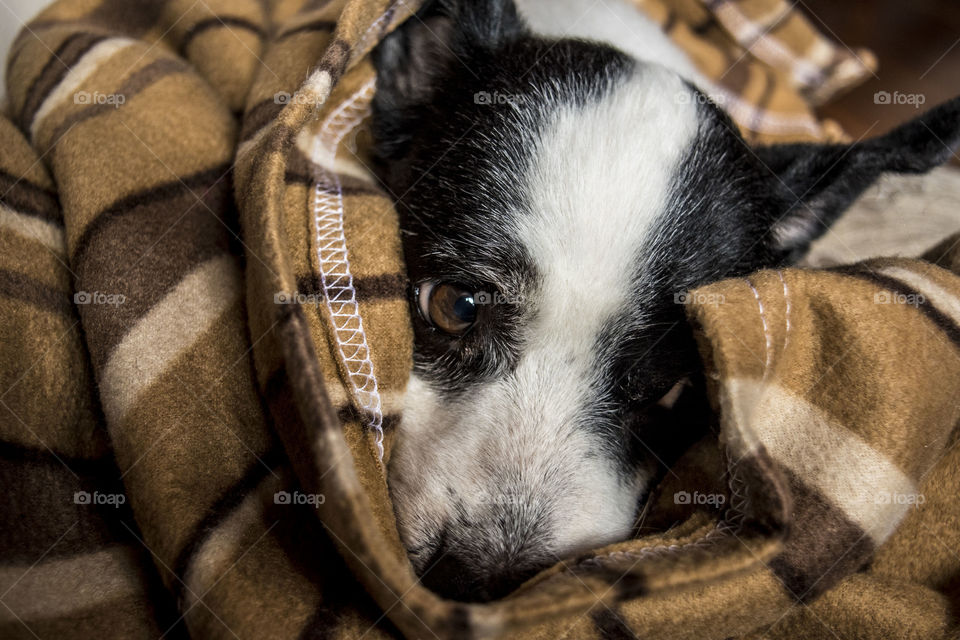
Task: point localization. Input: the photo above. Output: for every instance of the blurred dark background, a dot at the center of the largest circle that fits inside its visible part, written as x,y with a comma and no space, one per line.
917,43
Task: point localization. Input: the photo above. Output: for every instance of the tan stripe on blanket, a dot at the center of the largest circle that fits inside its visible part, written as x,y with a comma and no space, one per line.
175,323
80,72
46,233
846,470
944,301
58,588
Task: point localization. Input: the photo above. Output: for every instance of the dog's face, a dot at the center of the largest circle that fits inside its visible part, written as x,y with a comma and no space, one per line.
557,200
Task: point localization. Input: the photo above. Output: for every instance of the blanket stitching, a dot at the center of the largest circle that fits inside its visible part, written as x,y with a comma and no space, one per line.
786,299
388,14
336,277
766,330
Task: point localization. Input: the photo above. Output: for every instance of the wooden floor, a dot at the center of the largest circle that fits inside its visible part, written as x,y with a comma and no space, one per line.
917,43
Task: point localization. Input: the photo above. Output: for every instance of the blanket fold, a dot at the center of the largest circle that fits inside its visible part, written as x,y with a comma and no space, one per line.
206,342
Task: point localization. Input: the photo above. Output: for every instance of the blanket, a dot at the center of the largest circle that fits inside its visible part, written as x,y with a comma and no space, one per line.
205,342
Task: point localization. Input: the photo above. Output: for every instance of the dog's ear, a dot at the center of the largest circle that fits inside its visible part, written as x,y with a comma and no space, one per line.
443,34
816,182
430,50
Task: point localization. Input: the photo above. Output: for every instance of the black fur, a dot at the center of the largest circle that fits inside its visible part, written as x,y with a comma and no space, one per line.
816,183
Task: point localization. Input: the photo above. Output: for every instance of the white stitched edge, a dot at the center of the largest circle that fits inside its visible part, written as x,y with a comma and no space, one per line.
766,329
786,299
336,278
388,14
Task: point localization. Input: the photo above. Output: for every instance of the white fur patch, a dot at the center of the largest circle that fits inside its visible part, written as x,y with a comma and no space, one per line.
598,179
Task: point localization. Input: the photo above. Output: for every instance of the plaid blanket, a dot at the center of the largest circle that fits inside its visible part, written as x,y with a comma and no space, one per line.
205,344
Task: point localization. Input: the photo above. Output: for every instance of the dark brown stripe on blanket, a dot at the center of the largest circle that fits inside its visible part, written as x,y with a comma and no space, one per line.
277,394
133,18
143,251
198,183
343,598
19,287
222,508
25,197
823,545
315,25
702,28
139,81
335,60
458,622
258,116
610,626
670,21
391,285
40,505
826,71
625,584
278,140
47,457
313,5
348,186
224,22
327,618
764,101
945,323
58,66
301,171
350,413
16,50
308,401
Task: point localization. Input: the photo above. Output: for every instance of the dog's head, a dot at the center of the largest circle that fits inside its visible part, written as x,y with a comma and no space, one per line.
557,199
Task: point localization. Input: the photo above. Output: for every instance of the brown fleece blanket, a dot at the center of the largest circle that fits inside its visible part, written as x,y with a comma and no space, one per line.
204,342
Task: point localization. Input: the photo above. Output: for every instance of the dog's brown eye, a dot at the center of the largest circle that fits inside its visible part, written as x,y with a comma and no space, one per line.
446,306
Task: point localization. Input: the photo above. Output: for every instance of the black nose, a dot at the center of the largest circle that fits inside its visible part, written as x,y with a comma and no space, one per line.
459,577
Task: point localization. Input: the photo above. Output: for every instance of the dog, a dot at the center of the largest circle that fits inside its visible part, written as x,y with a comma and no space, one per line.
560,180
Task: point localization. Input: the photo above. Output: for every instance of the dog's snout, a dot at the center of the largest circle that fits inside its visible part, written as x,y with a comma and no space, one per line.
459,576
